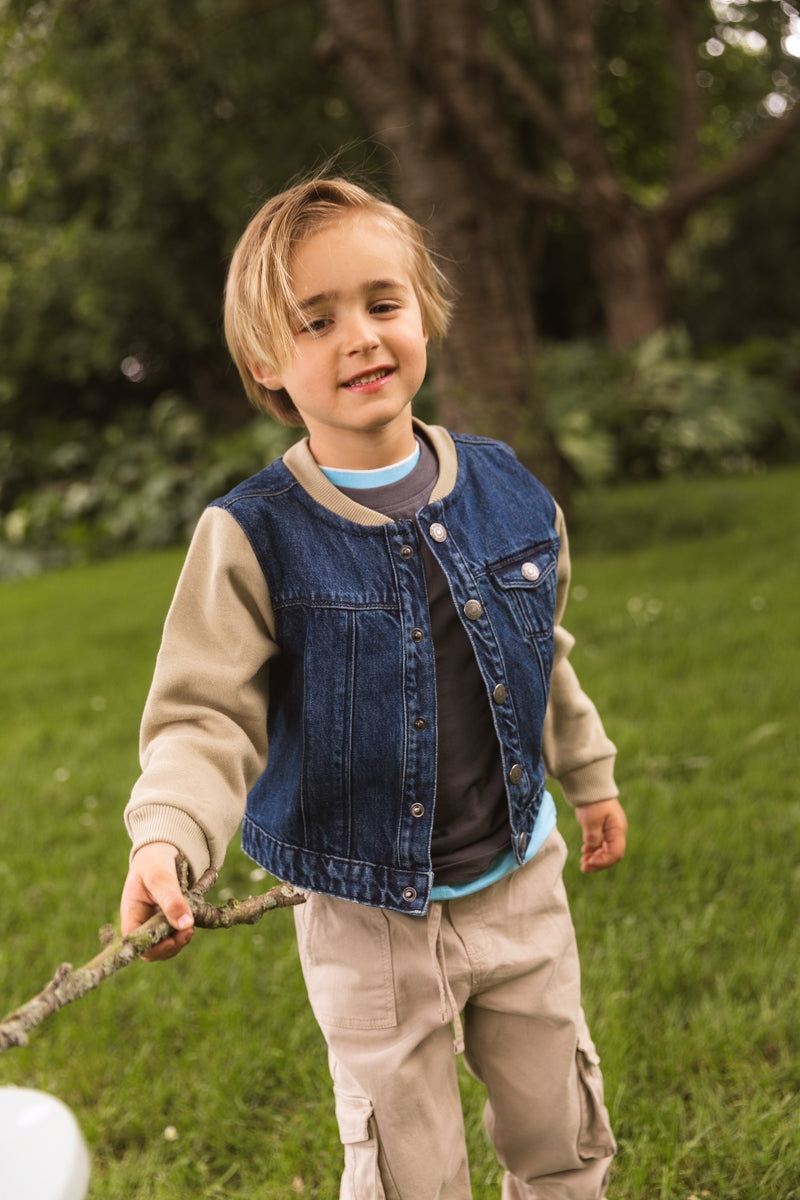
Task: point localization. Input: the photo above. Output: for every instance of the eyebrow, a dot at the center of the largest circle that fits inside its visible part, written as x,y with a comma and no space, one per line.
373,285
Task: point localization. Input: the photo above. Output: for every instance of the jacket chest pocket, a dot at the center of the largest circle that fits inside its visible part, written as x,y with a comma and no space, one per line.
528,582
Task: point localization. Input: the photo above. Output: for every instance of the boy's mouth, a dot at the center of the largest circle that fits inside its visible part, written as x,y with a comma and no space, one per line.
368,377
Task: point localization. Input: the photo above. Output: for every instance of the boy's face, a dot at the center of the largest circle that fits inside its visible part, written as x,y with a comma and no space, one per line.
360,354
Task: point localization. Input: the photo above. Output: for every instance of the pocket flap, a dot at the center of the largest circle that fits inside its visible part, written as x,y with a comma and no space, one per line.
353,1115
528,569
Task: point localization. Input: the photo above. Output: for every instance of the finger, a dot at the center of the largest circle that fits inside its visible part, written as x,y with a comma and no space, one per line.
175,908
154,889
610,851
176,940
133,914
170,946
136,906
150,888
592,843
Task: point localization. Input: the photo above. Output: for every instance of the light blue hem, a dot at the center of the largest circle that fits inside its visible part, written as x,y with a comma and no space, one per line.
380,477
505,863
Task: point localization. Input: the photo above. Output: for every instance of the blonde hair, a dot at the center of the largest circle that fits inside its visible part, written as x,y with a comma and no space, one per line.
261,310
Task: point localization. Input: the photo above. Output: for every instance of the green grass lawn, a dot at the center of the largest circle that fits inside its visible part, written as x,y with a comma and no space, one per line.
206,1076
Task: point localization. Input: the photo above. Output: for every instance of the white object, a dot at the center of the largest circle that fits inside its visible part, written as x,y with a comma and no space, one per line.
42,1152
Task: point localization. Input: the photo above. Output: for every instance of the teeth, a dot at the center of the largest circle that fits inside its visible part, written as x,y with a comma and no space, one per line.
370,378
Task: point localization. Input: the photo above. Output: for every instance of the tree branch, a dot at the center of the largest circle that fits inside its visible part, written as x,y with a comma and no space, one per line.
544,23
519,83
692,191
461,70
599,189
678,20
375,65
70,984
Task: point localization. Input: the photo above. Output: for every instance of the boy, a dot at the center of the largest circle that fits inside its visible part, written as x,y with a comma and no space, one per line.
363,661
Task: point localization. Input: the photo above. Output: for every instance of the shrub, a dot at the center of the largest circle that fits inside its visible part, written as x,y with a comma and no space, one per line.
79,492
140,483
656,410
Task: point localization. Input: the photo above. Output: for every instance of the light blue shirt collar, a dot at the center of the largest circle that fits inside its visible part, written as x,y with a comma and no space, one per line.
340,477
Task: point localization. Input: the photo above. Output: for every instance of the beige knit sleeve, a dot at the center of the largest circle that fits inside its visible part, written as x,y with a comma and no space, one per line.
577,752
203,736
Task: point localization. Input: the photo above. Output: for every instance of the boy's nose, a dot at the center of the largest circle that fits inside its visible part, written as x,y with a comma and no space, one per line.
360,335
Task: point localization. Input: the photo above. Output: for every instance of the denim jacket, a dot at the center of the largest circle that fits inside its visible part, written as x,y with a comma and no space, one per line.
345,804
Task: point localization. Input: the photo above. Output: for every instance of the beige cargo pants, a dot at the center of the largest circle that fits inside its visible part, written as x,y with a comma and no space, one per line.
500,970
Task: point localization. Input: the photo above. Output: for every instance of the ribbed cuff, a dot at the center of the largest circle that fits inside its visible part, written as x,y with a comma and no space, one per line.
165,823
588,784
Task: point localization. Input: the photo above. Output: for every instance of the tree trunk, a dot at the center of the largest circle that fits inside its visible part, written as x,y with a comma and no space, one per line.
627,249
483,372
483,369
628,259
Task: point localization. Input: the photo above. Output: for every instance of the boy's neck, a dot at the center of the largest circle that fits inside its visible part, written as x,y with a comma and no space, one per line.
358,452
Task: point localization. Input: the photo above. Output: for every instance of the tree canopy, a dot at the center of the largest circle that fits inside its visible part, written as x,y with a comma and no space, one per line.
566,154
136,141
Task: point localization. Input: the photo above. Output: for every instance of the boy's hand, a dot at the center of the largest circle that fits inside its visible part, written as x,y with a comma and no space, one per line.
604,827
152,884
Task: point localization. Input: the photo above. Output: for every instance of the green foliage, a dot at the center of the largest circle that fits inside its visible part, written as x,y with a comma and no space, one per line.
740,71
740,60
75,492
657,410
143,481
730,276
136,141
207,1076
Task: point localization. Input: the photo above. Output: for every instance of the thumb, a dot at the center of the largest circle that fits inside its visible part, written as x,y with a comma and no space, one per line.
153,884
168,896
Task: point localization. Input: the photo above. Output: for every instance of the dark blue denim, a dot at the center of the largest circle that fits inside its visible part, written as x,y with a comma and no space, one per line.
345,805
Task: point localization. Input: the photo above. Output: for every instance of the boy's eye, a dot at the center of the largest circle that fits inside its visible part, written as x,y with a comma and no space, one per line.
316,325
382,307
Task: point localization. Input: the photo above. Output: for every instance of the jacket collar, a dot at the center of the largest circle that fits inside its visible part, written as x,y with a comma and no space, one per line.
301,463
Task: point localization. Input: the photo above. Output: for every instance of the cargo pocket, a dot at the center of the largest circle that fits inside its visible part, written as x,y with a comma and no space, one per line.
346,957
595,1139
361,1179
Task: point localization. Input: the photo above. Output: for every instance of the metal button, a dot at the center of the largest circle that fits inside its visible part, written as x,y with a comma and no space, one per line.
417,635
523,841
530,571
473,609
406,551
418,810
500,694
409,894
420,723
438,532
515,774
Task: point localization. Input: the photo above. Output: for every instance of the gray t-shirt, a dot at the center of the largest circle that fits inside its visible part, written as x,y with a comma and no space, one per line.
471,816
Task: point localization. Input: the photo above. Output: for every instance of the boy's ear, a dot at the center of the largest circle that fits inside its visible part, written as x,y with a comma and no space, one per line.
266,378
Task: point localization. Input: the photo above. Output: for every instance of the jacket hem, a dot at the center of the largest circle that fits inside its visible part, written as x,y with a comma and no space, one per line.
403,891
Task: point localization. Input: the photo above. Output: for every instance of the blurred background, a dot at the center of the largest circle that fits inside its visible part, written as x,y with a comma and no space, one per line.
612,186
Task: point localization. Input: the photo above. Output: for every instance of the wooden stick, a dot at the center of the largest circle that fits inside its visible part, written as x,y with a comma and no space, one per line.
70,984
